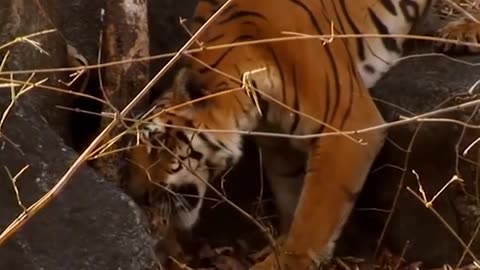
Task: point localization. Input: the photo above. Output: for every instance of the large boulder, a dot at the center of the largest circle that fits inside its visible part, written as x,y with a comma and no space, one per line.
90,225
415,86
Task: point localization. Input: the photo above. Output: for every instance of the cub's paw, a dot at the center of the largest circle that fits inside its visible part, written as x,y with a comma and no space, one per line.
463,30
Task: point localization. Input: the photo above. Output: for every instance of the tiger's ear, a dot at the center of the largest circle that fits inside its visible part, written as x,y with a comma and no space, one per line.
188,85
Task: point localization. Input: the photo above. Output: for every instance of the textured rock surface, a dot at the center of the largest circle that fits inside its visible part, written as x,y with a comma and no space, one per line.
17,21
91,225
418,86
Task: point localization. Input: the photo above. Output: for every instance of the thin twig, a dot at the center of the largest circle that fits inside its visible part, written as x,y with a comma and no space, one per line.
403,120
445,223
13,180
261,41
14,97
461,10
28,40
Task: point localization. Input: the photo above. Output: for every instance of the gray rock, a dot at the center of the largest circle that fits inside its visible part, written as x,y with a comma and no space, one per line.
17,20
90,225
421,85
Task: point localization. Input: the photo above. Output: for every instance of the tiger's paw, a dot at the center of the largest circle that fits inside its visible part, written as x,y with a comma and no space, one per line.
462,30
262,254
292,261
284,262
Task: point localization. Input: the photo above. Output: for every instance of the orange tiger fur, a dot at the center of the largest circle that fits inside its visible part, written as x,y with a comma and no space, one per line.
326,80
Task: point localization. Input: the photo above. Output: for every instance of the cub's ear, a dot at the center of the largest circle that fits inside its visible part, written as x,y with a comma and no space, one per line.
188,85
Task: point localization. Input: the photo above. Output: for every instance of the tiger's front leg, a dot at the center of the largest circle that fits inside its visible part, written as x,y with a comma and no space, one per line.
336,173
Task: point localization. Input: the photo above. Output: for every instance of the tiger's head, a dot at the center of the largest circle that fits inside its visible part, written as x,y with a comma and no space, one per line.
177,156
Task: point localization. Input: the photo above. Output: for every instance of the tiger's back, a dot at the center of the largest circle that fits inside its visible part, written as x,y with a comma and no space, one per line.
246,21
374,56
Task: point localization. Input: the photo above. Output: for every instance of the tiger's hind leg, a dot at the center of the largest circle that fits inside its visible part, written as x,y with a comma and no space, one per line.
337,169
285,170
284,167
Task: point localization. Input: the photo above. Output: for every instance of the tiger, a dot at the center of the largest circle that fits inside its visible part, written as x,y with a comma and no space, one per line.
312,90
